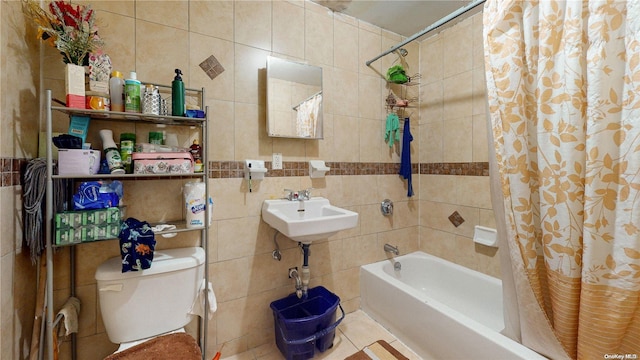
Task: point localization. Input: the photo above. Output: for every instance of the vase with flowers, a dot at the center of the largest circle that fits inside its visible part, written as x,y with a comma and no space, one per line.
70,29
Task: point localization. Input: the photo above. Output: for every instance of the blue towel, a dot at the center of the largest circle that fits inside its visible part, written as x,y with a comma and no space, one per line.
137,243
405,158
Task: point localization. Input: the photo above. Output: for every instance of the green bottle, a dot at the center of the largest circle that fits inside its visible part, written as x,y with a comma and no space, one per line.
177,95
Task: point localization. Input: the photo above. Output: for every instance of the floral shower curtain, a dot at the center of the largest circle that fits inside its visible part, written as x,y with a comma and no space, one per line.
563,81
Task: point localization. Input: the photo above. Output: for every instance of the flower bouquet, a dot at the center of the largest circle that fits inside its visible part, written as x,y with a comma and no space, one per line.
71,30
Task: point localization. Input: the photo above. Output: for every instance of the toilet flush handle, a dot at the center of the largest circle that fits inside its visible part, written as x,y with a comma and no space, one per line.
113,287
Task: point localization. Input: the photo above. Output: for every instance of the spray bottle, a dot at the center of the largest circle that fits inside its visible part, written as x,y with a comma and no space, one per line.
177,95
111,152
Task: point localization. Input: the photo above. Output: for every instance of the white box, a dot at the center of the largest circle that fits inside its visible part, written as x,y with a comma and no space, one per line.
78,162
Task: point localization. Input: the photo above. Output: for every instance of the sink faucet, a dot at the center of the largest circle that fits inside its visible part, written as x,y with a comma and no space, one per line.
304,194
392,249
298,195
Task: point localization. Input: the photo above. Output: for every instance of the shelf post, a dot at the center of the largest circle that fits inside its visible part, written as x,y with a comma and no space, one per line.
48,231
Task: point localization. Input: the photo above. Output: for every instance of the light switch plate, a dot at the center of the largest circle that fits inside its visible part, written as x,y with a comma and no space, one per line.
276,163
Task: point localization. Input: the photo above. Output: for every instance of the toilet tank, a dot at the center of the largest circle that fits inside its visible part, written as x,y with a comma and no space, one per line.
139,304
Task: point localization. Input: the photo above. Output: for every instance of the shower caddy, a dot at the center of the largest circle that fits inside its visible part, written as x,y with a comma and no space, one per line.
200,124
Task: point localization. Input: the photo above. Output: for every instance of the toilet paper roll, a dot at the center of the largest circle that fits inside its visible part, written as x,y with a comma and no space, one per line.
195,203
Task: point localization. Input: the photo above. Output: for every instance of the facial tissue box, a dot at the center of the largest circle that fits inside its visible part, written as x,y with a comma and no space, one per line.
78,162
73,227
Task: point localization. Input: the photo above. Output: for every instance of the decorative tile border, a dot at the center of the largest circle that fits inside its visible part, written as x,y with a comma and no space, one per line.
235,169
468,169
11,171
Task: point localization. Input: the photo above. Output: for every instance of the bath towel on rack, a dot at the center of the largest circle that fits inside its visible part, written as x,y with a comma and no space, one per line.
405,158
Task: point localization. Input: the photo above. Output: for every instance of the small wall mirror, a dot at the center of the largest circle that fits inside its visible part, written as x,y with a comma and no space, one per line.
294,99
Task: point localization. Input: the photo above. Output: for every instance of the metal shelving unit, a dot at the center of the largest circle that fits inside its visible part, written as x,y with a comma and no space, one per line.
200,123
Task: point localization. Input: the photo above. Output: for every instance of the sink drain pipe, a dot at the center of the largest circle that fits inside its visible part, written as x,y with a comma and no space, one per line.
306,273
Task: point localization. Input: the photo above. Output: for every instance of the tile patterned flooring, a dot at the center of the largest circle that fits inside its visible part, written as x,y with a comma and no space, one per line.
356,331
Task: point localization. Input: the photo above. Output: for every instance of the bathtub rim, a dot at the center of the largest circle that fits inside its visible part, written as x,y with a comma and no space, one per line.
454,315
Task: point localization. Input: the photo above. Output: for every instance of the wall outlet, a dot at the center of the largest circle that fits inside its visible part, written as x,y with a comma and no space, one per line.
276,164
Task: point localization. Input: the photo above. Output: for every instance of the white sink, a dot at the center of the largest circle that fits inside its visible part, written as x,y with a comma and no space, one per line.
307,220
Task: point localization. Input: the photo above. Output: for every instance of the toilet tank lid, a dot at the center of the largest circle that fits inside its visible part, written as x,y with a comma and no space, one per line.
163,261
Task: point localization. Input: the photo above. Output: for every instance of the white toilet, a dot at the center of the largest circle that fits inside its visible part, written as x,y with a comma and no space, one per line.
137,306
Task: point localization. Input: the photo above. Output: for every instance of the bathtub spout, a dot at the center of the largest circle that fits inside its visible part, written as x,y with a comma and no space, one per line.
392,249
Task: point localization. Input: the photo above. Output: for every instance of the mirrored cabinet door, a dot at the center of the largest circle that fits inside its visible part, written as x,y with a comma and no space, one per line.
294,99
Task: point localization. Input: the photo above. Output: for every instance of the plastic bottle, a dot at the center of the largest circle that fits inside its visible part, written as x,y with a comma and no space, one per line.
196,151
116,91
177,95
111,152
151,100
132,93
127,144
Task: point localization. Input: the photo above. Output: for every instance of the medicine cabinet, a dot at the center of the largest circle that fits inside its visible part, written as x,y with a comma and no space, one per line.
294,99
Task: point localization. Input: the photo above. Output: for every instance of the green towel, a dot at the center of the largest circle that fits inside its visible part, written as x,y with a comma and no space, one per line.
393,125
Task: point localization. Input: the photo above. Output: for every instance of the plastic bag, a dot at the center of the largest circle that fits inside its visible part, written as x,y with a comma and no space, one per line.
396,75
97,195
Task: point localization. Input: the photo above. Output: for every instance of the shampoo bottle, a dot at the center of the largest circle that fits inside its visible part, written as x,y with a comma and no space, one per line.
196,151
132,93
116,91
111,152
177,95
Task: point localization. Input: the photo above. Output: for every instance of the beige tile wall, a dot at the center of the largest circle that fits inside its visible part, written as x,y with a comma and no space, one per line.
18,128
154,37
453,129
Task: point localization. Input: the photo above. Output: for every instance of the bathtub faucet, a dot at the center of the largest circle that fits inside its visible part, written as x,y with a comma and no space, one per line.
392,249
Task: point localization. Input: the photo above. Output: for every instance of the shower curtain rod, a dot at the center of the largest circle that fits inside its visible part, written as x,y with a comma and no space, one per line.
432,27
305,100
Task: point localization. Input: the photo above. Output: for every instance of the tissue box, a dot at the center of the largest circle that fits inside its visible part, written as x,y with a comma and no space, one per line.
162,163
74,227
74,86
78,162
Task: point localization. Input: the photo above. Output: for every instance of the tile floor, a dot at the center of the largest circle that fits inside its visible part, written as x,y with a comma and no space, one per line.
356,331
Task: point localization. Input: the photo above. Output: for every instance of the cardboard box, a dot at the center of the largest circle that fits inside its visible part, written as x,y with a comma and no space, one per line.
74,227
79,126
162,163
78,162
74,86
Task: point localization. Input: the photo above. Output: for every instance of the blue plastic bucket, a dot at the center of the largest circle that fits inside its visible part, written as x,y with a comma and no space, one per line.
304,325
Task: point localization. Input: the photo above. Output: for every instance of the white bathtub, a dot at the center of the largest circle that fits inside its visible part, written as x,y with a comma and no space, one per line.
439,309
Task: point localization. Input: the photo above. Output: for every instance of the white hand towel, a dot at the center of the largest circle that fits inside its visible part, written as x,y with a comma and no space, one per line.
69,313
197,308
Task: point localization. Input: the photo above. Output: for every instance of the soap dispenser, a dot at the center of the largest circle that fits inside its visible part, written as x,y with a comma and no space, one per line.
177,95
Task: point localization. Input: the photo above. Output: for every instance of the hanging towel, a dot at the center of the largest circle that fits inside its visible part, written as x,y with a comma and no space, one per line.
197,308
137,243
393,126
68,315
405,159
